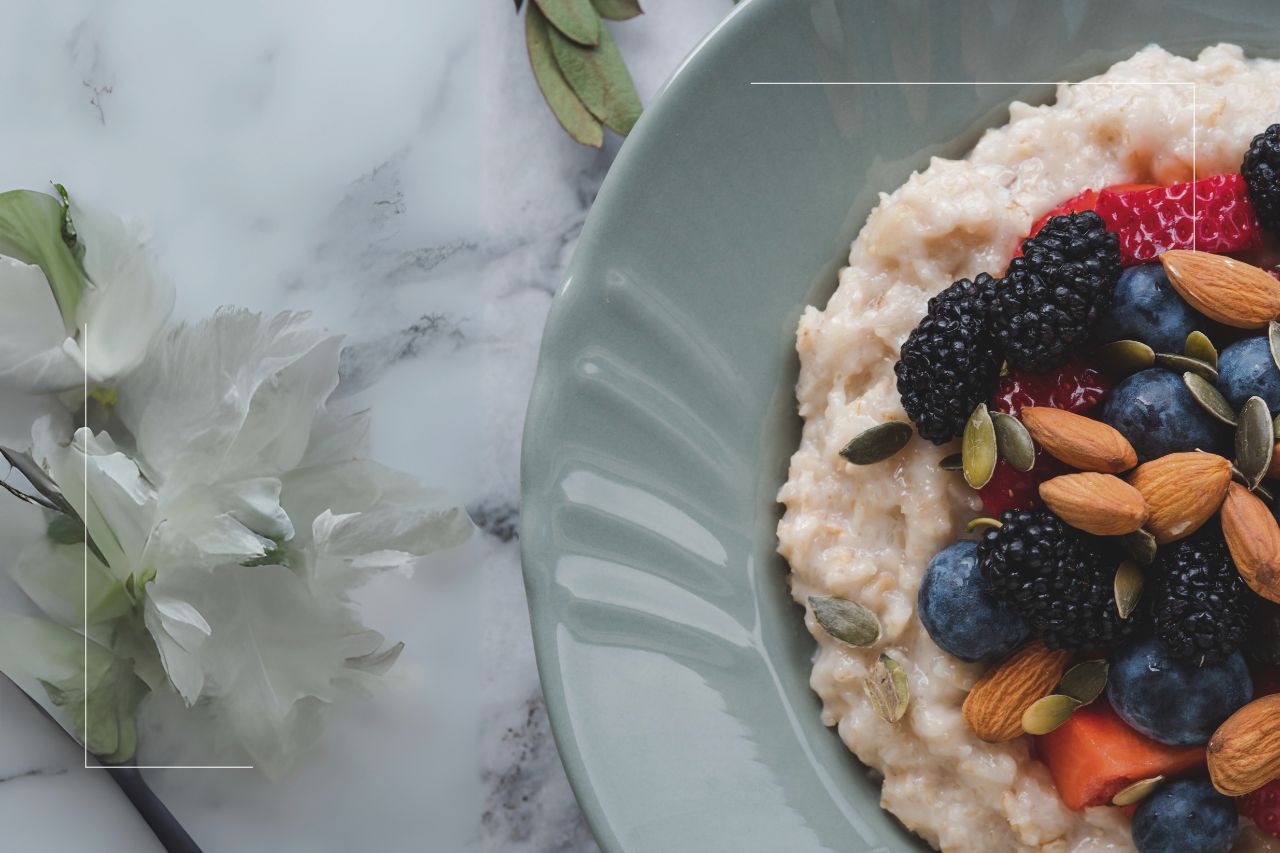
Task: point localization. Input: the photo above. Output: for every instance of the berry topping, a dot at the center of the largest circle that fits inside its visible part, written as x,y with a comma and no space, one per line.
1054,294
958,610
1261,171
1201,606
1187,816
1211,215
1060,579
1145,307
1263,807
1157,414
1076,387
1172,701
949,363
1247,369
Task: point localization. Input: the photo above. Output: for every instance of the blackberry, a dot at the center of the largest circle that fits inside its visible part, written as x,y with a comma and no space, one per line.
1061,580
1261,170
1201,607
1056,292
949,363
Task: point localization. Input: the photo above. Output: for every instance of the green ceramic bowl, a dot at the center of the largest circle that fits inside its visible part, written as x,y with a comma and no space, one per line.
674,664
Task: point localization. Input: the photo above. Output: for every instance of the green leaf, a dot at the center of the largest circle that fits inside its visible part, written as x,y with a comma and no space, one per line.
617,10
102,717
576,19
31,230
600,78
66,530
573,116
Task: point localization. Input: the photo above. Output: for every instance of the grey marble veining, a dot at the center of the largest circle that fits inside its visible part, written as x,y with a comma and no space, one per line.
392,168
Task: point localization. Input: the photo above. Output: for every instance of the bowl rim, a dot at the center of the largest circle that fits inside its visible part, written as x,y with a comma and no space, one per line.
576,770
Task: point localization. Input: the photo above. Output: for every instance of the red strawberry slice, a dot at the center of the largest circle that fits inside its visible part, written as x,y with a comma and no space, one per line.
1263,807
1211,214
1086,200
1075,387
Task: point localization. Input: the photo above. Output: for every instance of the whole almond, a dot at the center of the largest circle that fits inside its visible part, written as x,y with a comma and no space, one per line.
1079,441
1101,504
1253,538
1182,491
1223,288
995,705
1244,753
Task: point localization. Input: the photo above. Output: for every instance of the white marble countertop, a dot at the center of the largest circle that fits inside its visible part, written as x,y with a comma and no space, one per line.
391,167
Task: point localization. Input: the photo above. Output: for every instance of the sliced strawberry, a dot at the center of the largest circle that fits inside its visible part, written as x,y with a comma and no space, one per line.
1086,200
1075,387
1211,214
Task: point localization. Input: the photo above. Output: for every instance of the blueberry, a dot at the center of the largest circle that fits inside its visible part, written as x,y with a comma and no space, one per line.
1246,369
1173,702
1145,307
1156,412
1185,816
961,614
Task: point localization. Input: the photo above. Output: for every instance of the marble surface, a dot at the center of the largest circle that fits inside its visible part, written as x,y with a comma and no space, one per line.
390,167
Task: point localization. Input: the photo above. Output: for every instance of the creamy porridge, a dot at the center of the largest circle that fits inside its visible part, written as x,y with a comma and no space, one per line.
867,533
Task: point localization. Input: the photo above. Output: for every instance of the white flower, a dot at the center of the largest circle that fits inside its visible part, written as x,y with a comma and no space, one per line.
67,316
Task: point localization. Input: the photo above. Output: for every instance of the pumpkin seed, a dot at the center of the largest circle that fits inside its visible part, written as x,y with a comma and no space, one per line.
846,621
1128,588
877,443
1125,357
1275,425
1047,713
1199,346
982,522
978,447
1004,368
886,688
1013,442
1182,363
1273,338
1209,398
1255,441
952,462
1136,792
1140,545
1085,681
1262,491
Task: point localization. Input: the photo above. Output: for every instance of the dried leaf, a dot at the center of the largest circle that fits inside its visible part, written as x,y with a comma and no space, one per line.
600,79
617,10
577,19
572,114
